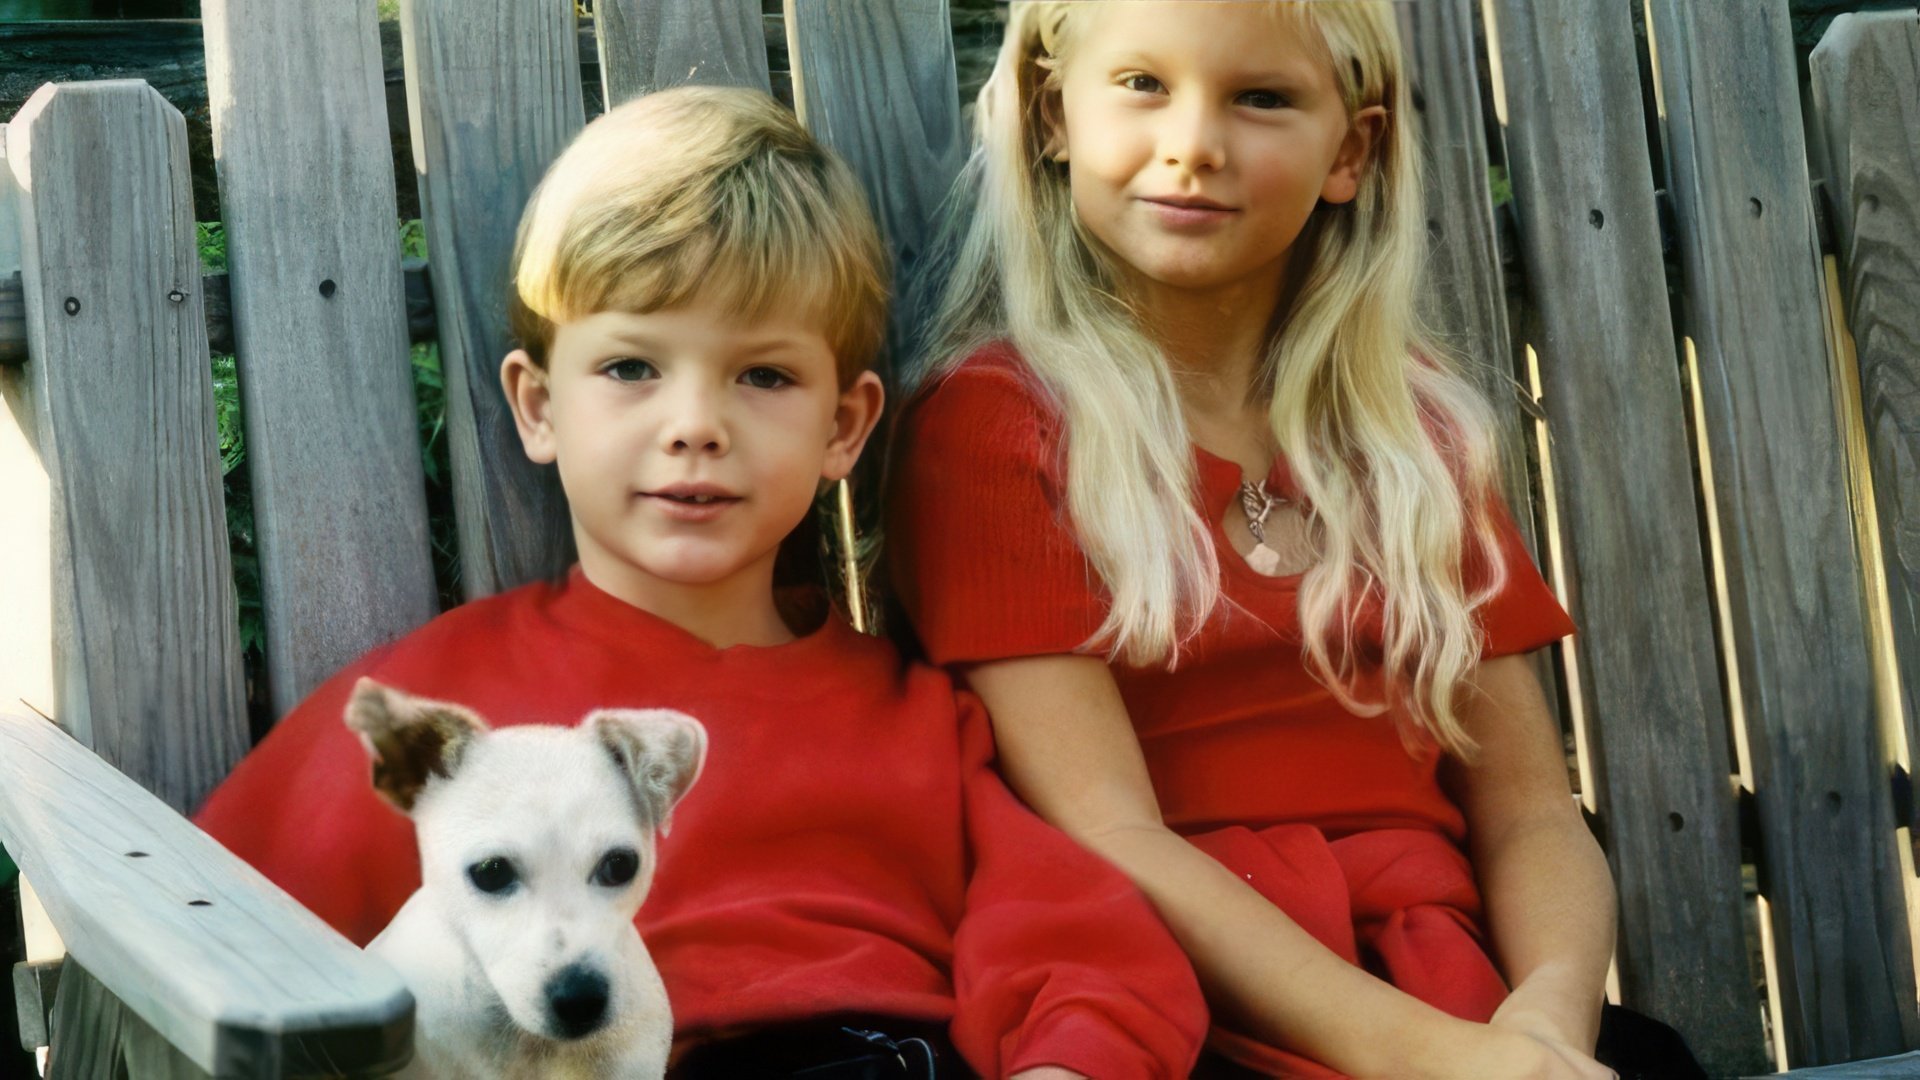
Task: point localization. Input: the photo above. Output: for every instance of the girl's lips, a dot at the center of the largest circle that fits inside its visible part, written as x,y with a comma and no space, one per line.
1176,216
683,510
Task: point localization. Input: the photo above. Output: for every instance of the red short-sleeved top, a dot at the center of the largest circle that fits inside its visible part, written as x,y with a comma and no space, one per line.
1250,757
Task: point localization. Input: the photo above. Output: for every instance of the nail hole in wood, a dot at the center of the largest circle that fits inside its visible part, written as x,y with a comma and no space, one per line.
1834,801
1757,208
1597,219
1870,202
1677,822
327,288
72,305
199,903
136,854
1433,228
176,296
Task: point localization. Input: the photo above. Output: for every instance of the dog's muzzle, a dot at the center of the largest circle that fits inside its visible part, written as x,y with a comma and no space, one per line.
577,1001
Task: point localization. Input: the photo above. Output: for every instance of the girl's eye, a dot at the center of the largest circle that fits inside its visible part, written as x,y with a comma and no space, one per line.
765,378
495,875
1142,84
616,868
630,370
1264,99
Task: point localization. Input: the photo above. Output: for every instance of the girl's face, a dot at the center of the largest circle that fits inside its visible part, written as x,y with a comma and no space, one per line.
1200,135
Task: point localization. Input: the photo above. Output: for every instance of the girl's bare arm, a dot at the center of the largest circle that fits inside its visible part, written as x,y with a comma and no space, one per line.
1067,747
1548,892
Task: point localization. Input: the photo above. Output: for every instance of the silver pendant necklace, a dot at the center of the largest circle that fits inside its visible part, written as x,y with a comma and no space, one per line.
1257,503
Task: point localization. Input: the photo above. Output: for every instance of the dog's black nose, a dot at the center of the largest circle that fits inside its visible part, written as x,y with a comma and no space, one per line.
577,998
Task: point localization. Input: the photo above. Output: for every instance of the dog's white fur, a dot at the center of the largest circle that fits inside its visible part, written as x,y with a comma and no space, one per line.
495,974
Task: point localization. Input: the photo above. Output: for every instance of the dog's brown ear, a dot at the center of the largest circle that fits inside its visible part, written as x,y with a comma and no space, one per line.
410,739
662,751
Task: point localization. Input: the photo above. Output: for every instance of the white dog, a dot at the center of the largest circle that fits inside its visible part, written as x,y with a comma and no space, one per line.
536,849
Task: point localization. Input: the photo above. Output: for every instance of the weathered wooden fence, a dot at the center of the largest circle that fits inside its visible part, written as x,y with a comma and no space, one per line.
1655,313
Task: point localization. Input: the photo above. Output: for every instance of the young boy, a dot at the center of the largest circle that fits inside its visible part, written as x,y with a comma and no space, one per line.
699,289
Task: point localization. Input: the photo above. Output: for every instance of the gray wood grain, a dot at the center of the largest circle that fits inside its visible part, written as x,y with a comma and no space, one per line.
1754,310
146,651
876,83
1577,145
493,96
306,187
648,45
100,1037
223,965
1866,95
1465,301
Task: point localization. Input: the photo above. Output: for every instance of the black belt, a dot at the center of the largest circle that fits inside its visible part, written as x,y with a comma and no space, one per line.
833,1048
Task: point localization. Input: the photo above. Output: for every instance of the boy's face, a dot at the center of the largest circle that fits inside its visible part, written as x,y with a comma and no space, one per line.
690,441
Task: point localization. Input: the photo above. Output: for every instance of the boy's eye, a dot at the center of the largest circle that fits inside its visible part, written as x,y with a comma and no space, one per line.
765,378
1264,99
630,370
617,867
494,875
1144,84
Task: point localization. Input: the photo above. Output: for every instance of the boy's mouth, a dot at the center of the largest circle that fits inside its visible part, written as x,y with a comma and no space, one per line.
693,502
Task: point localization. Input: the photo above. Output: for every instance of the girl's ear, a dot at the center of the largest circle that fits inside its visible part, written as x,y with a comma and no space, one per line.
1364,133
853,422
525,385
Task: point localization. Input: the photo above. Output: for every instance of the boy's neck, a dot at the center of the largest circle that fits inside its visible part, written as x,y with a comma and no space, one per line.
736,611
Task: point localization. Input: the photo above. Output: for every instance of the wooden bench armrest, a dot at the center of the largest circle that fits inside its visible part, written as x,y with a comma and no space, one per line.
219,961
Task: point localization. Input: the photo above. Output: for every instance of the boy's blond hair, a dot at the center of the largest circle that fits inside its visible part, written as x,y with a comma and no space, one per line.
708,191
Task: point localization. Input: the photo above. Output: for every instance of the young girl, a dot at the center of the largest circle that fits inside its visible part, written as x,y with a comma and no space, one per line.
1214,532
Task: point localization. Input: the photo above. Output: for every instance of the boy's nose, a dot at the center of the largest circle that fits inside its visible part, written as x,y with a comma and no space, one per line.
695,427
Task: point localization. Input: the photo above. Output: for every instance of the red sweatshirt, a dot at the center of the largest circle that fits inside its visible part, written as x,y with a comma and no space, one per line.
848,847
1326,814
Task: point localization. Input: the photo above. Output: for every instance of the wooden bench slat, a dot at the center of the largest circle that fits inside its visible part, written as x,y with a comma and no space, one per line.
1754,304
142,596
648,45
876,83
1577,146
493,94
306,186
1465,299
218,961
1866,105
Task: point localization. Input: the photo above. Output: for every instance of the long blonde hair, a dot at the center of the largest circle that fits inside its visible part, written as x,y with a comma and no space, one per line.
1390,445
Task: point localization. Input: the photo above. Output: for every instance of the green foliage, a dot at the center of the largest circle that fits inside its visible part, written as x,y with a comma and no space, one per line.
430,400
1502,186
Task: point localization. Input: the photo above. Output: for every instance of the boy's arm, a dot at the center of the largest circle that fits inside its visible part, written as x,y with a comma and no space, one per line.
302,810
1059,960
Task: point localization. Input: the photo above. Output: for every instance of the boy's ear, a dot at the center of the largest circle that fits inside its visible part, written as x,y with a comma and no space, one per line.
525,385
410,739
659,750
853,422
1356,154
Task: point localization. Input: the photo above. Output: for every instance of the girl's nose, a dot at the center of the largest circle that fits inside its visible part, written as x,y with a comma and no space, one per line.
1193,137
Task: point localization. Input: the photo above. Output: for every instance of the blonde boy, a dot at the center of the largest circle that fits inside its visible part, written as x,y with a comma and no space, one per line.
698,291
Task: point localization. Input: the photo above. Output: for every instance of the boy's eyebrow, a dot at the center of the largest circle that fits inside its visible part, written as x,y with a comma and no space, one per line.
1284,76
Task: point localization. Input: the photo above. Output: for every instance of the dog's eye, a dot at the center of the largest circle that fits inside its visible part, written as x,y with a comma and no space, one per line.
616,868
493,875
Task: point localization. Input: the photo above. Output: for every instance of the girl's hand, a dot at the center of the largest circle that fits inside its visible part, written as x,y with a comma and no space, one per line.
1481,1050
1048,1072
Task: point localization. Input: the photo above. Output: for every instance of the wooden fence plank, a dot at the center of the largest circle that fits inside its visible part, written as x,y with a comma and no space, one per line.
1465,300
648,45
220,963
306,187
493,96
876,83
146,654
1576,142
1753,309
1866,94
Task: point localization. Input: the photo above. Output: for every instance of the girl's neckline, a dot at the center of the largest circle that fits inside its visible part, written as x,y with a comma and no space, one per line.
1219,485
609,616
